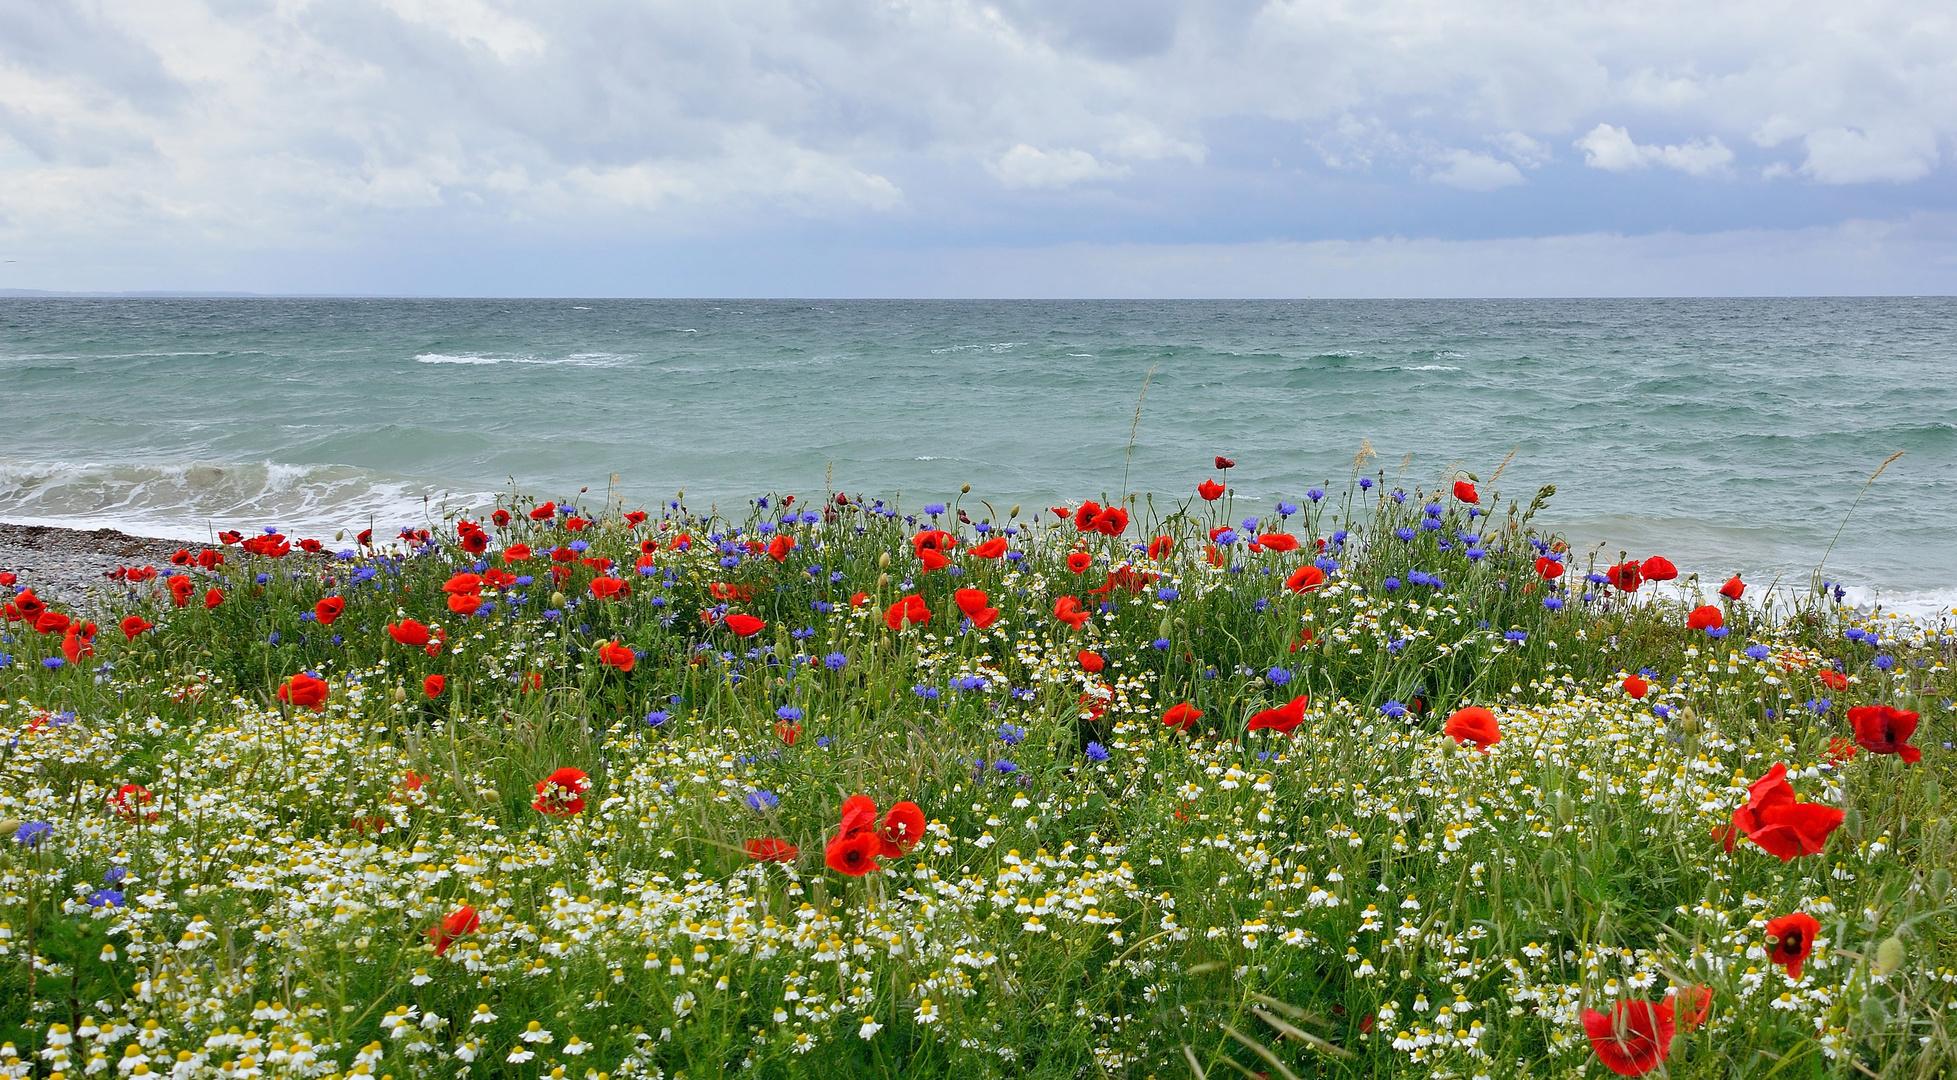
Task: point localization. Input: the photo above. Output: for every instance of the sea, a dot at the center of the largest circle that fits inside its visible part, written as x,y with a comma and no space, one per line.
1731,436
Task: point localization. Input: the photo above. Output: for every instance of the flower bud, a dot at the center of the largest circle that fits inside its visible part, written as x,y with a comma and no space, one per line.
1889,956
1015,511
400,696
1688,720
1939,880
883,561
966,490
1851,820
883,581
557,599
1565,807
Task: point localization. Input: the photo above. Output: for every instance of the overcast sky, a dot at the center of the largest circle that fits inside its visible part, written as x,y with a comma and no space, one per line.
940,147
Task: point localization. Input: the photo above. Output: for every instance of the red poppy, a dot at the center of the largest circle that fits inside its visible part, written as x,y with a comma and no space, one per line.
1625,576
213,598
475,542
635,518
1690,1006
228,537
606,588
1079,561
329,609
788,732
1549,569
1067,609
1636,686
1473,724
1279,541
500,518
858,812
911,609
612,654
1841,751
1160,547
1224,462
1782,826
180,589
210,560
1733,589
679,542
854,854
79,642
544,513
365,538
51,622
464,603
516,553
1465,491
1182,716
408,632
970,601
303,691
1210,490
129,801
462,920
1283,719
721,590
780,546
433,685
859,599
1084,517
902,828
181,557
932,560
994,548
1834,680
1633,1039
1091,662
744,625
270,545
936,540
135,624
1305,579
771,850
1881,729
1705,618
1110,522
562,793
1658,568
1791,941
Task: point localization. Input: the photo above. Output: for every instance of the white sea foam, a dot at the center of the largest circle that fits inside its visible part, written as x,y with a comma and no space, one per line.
1433,367
589,359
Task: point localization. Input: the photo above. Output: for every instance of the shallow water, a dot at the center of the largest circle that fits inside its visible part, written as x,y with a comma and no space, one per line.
1729,435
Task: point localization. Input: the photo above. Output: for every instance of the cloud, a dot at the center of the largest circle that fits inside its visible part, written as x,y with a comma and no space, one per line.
1846,156
1470,171
1612,149
1027,167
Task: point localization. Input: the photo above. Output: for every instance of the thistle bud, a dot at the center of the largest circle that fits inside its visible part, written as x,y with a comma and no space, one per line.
1889,956
883,561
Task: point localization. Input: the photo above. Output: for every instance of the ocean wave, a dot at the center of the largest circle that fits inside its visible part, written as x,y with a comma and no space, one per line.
193,499
1432,367
591,359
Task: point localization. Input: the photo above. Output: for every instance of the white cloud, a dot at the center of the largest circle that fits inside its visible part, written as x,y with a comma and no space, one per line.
1527,152
1612,148
1471,171
1846,156
1028,167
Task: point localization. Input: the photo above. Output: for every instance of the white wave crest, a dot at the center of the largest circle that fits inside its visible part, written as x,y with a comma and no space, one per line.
591,359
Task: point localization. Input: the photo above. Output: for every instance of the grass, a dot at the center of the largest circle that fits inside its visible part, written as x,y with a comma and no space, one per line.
1097,893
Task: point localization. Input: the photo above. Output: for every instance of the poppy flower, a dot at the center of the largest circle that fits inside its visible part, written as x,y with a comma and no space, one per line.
77,645
181,557
1182,716
1791,941
329,609
1834,680
180,589
1705,618
636,518
1210,490
1733,589
464,603
1636,687
854,854
516,553
1091,662
1160,547
780,546
129,801
1657,568
1632,1039
607,588
931,560
1067,609
408,632
858,812
1549,569
1224,462
744,625
771,850
544,513
1079,561
970,601
213,598
51,622
1284,719
135,624
1084,517
500,518
1465,491
1881,729
1473,724
1780,825
1112,521
911,609
462,920
936,540
679,542
1305,579
1625,576
1278,541
433,685
475,542
562,793
859,599
721,590
210,560
303,691
1690,1007
228,537
788,732
994,548
902,828
612,654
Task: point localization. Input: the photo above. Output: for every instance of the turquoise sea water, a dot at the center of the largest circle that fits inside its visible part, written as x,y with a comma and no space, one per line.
1729,435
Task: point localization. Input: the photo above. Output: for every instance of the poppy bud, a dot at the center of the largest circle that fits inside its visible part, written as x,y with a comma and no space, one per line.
1163,628
883,561
400,696
1851,820
1688,721
1015,511
1565,807
1873,1013
557,599
966,490
883,580
1889,956
1939,882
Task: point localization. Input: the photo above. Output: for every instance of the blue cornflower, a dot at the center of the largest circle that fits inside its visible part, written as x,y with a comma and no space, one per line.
1432,510
1166,594
31,833
1285,509
1260,605
1596,579
789,712
1758,652
1517,635
53,663
1475,554
1393,710
578,546
1365,483
1430,524
1663,711
1399,496
730,561
1390,584
928,693
1315,494
1553,603
1717,631
835,661
1819,705
1005,768
658,717
1278,676
115,875
1405,532
970,682
102,898
1249,524
1327,564
1226,538
1096,752
1160,644
524,580
1011,734
1338,538
1885,662
763,800
934,509
263,578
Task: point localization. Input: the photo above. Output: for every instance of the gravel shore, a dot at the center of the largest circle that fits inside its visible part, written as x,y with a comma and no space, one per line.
67,565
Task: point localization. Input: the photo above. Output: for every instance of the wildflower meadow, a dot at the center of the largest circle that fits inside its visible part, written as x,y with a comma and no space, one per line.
1378,782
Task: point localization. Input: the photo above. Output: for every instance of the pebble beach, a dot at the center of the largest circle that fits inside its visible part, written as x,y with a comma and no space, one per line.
67,565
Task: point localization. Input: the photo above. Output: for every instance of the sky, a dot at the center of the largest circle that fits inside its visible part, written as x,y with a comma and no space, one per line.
952,148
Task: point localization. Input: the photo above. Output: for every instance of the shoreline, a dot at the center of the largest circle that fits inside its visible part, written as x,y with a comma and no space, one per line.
68,564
